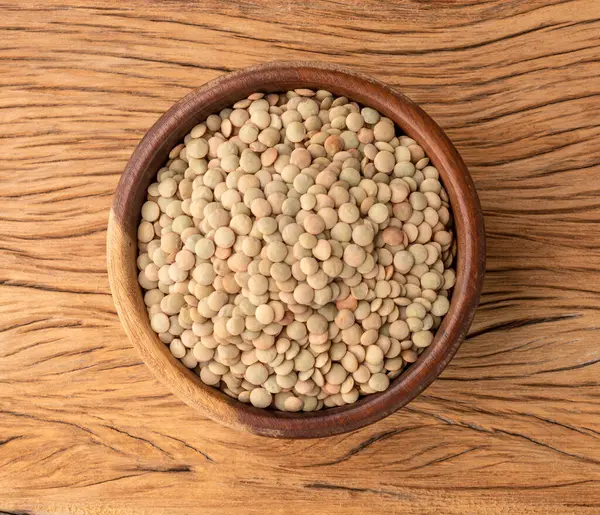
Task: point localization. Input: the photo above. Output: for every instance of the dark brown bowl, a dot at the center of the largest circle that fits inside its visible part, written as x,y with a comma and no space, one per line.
152,152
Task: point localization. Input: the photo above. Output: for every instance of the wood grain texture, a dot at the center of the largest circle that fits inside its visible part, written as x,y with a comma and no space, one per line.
153,151
511,426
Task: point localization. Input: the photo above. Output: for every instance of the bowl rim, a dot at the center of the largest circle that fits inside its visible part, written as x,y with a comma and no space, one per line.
222,92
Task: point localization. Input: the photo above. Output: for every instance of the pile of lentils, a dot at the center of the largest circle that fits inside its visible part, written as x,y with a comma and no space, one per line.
296,251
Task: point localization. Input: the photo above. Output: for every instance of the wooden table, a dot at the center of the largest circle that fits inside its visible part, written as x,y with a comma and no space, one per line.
512,425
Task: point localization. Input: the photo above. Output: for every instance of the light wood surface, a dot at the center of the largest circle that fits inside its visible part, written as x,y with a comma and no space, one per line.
512,425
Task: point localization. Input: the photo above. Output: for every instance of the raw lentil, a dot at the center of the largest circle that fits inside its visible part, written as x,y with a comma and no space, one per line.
296,252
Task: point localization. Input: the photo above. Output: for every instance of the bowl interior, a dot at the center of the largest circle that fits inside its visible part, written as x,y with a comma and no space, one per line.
152,152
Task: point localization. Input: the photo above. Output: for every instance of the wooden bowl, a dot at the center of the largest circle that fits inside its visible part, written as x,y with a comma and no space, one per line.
151,154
